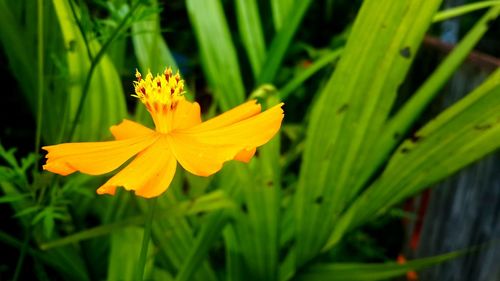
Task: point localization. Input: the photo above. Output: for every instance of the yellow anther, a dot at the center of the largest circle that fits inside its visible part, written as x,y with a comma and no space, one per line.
162,92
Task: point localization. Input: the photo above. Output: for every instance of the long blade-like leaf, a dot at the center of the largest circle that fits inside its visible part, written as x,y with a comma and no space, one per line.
257,228
208,202
150,48
212,228
351,110
281,10
281,42
124,253
218,54
371,272
251,33
105,103
397,127
152,53
463,9
463,133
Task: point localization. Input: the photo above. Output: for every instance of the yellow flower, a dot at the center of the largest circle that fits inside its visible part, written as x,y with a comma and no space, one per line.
180,136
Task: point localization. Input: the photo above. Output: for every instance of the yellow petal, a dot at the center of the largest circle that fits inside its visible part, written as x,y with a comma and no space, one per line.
129,129
245,155
185,115
202,151
232,116
94,158
149,174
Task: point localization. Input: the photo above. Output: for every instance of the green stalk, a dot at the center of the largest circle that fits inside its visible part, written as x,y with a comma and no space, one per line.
462,10
80,27
145,241
310,71
96,61
22,255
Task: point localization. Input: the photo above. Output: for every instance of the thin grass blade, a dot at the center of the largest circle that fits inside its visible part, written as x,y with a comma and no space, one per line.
371,272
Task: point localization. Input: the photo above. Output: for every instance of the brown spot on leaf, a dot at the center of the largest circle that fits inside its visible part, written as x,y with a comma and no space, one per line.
244,208
415,138
405,52
490,22
343,108
185,187
482,127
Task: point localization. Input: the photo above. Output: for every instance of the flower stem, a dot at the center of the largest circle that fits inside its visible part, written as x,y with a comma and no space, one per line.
24,248
145,240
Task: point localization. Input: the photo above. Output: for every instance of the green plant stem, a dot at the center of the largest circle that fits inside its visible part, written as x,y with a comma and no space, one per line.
95,62
145,240
40,80
296,82
80,27
280,44
462,10
22,255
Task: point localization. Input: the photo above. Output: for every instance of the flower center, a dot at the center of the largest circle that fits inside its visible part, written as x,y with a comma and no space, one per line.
160,95
162,90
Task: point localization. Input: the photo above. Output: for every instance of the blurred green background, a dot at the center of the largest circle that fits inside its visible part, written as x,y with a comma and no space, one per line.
383,99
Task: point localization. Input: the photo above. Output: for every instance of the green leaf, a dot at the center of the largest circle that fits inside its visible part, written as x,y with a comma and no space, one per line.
13,39
251,33
462,134
258,226
105,103
463,9
152,53
175,236
371,272
150,48
218,55
281,10
13,198
198,252
352,108
10,190
124,255
212,227
27,211
208,202
48,224
9,157
398,126
281,42
297,81
234,256
69,266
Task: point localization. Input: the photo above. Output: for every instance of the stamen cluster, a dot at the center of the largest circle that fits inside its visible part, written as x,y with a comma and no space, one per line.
161,92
